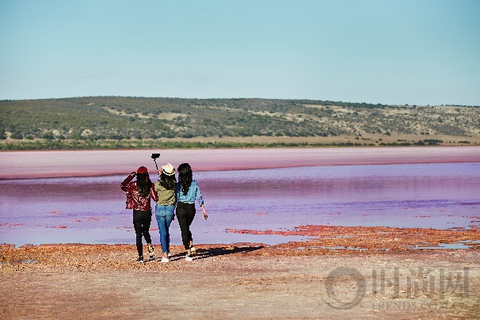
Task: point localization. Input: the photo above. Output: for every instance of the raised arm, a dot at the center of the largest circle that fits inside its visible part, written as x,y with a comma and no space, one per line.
124,184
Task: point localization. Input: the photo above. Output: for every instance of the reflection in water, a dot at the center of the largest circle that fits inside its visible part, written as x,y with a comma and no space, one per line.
92,210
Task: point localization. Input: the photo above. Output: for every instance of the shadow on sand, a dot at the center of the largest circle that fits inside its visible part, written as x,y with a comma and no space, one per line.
221,251
213,252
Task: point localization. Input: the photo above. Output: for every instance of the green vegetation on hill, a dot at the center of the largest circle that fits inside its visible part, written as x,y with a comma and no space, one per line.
121,122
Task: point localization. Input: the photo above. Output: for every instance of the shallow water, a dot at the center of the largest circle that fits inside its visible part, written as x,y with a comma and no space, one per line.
92,210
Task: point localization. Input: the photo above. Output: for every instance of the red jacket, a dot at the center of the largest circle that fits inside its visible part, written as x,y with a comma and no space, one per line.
134,200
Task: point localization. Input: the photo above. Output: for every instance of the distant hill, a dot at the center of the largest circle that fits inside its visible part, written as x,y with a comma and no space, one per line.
91,122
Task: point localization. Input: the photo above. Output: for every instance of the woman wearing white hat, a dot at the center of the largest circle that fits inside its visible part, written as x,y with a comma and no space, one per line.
165,206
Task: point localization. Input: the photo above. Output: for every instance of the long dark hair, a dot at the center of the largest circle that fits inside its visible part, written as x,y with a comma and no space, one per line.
185,176
168,182
143,184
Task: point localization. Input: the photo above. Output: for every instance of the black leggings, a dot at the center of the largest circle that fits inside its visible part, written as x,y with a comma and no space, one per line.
141,223
185,215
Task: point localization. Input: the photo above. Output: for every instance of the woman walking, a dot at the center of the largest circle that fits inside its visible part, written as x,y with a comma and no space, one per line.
139,193
187,191
165,206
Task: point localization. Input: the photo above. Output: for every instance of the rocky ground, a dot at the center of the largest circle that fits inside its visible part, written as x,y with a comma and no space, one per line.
351,273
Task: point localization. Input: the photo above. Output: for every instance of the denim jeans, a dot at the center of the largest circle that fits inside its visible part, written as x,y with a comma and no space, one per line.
164,215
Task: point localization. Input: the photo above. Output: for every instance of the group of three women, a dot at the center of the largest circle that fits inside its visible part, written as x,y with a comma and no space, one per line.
168,194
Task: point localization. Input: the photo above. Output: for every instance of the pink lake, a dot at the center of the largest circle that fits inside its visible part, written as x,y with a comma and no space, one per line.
74,196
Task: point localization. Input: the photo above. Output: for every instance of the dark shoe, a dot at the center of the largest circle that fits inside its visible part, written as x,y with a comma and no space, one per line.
140,259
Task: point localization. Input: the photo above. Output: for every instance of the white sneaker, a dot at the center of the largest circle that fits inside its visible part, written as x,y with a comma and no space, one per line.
193,251
188,258
165,259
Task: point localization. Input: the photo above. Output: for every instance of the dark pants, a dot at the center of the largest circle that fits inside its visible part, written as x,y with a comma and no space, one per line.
141,223
185,215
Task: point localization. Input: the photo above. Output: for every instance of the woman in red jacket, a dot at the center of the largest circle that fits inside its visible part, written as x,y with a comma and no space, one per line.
139,193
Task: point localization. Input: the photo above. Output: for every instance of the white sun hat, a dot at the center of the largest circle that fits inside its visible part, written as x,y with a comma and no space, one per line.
168,169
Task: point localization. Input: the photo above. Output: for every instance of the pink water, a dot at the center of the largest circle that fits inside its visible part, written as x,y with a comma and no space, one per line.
91,209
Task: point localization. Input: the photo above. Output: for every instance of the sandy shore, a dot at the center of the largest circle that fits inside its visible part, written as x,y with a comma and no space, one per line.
380,277
38,164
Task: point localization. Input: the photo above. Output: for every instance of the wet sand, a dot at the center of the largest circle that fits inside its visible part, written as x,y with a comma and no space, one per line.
39,164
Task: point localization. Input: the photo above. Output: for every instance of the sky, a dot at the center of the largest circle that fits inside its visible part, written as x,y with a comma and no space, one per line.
423,52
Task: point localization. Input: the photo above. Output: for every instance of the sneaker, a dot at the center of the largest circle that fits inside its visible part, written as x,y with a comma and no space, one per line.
140,259
193,251
165,259
151,251
188,258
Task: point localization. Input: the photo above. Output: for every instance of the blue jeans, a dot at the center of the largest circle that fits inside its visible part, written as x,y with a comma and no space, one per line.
164,215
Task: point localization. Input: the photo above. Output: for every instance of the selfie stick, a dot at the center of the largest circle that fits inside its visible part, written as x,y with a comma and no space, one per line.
154,157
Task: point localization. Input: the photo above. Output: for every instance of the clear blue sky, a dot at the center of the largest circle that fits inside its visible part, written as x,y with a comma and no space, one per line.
377,51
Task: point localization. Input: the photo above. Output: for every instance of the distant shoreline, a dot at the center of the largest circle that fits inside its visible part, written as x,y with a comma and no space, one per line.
372,140
84,163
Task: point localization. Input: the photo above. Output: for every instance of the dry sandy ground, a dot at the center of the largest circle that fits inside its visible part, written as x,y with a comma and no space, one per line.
367,138
250,281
